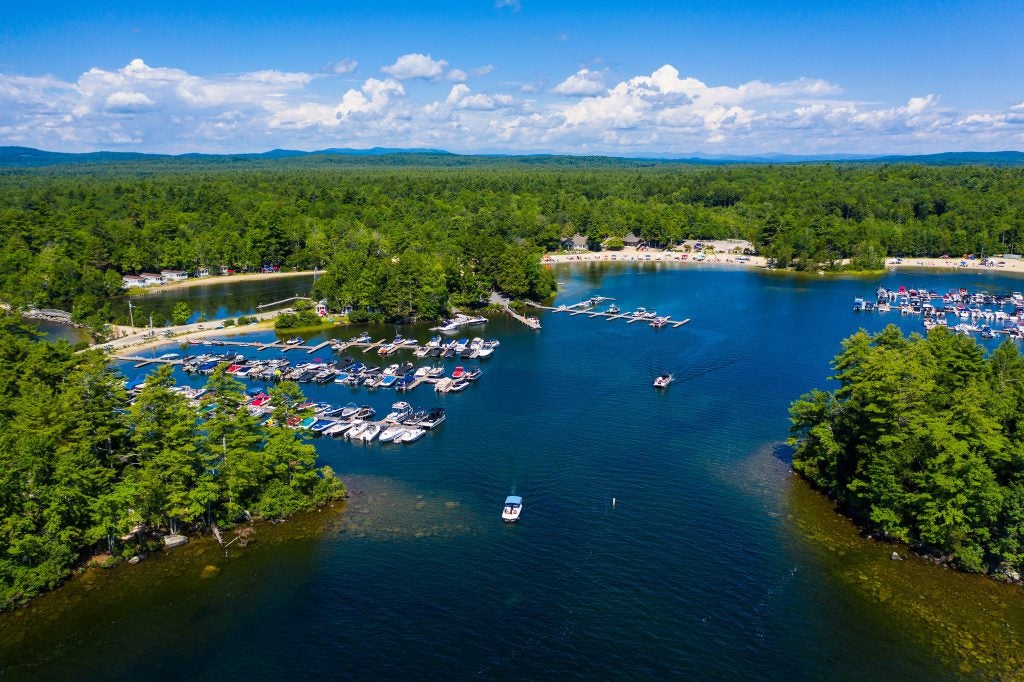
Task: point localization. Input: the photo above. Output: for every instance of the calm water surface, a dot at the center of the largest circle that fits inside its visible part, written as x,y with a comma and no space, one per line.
714,563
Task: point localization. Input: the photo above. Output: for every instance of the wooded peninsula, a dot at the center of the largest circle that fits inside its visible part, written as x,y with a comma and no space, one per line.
85,472
923,443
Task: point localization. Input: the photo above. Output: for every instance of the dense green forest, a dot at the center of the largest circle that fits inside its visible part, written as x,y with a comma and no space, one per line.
83,471
923,442
400,239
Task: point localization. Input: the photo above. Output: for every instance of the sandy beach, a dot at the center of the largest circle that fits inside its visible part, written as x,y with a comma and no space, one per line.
1005,265
222,279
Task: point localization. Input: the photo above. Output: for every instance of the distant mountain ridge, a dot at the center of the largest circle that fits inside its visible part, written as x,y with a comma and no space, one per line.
28,157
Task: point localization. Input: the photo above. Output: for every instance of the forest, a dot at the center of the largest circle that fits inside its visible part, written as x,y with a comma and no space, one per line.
923,443
84,471
411,237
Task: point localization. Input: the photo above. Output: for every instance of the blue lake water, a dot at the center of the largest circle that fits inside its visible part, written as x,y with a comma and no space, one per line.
696,572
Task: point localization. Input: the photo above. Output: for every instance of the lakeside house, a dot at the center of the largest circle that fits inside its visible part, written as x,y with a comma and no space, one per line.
174,275
321,308
130,281
577,242
631,241
203,272
151,279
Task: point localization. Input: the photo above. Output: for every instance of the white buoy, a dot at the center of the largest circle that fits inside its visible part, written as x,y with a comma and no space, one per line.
613,503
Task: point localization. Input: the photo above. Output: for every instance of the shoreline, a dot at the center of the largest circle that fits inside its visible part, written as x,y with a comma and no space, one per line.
218,279
632,255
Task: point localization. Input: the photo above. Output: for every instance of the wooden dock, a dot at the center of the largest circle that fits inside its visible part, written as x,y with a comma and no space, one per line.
143,361
581,308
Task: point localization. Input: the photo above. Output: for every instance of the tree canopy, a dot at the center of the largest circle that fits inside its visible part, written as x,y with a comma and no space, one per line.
923,442
410,240
80,468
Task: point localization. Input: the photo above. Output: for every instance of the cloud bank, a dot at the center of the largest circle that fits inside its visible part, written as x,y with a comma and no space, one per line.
414,103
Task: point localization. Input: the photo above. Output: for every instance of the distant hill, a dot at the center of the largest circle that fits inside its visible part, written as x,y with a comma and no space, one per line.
27,157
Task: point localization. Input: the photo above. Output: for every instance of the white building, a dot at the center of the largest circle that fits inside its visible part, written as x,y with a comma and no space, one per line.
129,281
173,275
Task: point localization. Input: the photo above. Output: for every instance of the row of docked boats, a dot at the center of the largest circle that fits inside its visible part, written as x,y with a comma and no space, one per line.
476,348
1003,316
403,376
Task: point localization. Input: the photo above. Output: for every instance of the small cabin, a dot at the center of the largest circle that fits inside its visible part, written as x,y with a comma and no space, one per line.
174,275
577,242
203,272
631,240
151,278
321,308
130,281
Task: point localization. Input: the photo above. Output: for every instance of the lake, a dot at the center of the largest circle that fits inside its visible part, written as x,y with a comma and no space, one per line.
217,299
715,561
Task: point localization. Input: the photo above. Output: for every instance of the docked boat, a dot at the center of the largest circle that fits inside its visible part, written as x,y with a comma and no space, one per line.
338,429
613,309
321,425
399,411
392,433
663,380
349,411
295,341
458,372
461,345
410,435
458,385
357,429
387,381
473,374
434,418
369,433
659,322
443,385
512,509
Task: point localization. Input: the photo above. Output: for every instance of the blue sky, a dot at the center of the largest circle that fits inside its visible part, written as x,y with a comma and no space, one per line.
625,78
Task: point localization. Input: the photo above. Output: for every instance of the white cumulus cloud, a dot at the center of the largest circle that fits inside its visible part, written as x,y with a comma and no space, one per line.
416,65
583,82
128,102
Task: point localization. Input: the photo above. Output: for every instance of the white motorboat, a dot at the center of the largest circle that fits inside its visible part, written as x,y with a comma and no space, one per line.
443,386
369,433
356,431
411,435
338,429
392,433
512,509
663,380
399,411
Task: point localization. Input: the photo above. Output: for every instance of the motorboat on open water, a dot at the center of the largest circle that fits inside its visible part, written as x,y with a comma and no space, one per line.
663,381
513,507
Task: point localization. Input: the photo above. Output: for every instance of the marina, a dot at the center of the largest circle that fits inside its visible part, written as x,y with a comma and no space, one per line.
961,311
552,419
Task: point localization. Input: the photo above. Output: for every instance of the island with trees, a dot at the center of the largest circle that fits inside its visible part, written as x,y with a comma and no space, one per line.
85,473
922,442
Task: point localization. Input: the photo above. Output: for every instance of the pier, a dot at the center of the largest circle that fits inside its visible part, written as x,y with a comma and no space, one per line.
283,300
581,308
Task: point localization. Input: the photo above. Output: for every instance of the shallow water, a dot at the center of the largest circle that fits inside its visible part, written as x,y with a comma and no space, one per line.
714,562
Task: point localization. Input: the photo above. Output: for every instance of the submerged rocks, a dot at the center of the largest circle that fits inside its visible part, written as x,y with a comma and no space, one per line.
174,541
209,571
895,557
